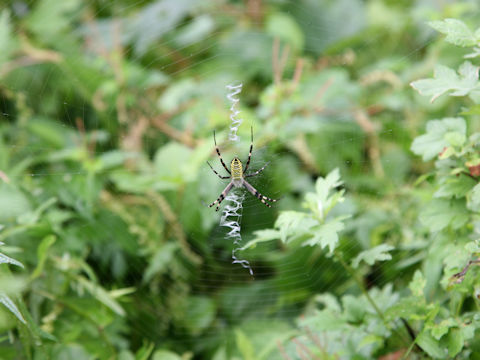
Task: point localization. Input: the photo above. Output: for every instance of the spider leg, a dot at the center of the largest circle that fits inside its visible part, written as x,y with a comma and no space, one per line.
258,171
220,176
255,193
250,152
222,196
218,153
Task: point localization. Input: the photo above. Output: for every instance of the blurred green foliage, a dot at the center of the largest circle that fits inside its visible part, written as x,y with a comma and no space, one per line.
107,114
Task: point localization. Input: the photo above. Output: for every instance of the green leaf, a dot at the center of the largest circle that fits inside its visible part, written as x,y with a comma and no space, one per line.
161,261
4,259
244,345
473,198
42,252
354,310
457,32
441,213
10,305
440,329
284,27
378,253
293,223
261,236
455,342
58,15
145,351
326,235
447,80
165,355
18,203
101,295
199,312
457,187
430,345
7,42
434,141
417,285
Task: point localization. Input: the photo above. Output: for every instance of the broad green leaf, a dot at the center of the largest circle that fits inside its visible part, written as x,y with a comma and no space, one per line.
10,305
431,346
457,32
42,252
447,80
378,253
434,141
455,341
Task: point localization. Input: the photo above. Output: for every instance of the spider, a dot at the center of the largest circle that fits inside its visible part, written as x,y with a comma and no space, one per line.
238,175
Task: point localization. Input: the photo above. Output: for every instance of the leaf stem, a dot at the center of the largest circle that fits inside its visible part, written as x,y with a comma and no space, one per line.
360,284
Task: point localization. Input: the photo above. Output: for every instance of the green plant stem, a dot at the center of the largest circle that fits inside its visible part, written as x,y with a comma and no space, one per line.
409,350
367,295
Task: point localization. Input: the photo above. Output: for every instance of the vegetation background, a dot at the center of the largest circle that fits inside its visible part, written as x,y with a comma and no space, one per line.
107,111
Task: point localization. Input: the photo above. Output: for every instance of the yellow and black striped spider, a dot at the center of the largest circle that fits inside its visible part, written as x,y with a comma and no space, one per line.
237,176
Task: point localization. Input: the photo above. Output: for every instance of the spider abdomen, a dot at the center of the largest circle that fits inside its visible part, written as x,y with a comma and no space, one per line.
236,168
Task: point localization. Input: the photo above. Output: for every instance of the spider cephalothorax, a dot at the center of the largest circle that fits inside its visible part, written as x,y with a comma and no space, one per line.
237,176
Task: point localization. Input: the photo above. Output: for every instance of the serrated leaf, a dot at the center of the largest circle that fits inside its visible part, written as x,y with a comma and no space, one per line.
10,305
378,253
323,186
326,235
447,80
293,222
457,32
457,187
440,213
433,142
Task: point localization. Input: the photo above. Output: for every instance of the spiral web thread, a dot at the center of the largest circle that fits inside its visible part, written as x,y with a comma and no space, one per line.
232,213
234,90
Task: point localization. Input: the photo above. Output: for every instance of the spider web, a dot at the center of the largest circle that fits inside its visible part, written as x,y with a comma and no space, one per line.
280,280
